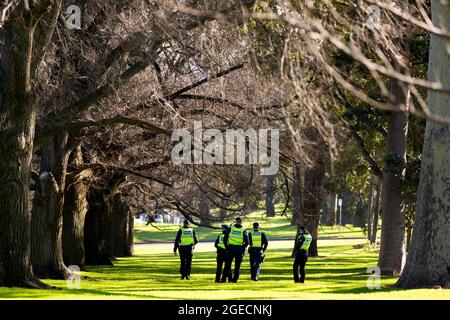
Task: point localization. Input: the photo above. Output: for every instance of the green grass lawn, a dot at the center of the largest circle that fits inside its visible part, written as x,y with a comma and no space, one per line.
152,273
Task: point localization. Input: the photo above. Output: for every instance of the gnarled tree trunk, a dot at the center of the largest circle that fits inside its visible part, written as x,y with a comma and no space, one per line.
74,213
46,218
96,230
120,233
22,49
428,262
99,221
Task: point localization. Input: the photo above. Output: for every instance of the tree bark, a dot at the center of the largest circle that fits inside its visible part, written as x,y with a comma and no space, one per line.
428,262
270,208
46,217
392,250
20,54
98,224
120,234
129,250
15,166
74,214
332,210
96,230
376,214
296,194
311,202
369,208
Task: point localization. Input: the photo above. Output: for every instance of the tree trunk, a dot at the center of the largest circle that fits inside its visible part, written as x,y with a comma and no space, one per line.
343,213
358,218
15,166
428,262
74,213
408,239
311,202
296,194
19,58
392,251
204,206
46,218
129,250
98,226
120,215
376,213
369,208
96,233
332,210
270,192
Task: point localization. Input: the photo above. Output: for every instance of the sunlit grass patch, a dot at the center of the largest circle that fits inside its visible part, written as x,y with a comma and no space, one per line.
152,273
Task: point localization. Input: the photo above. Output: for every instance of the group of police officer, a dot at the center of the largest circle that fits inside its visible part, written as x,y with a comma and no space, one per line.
231,245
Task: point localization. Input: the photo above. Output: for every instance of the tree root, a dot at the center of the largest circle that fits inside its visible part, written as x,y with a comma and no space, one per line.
33,283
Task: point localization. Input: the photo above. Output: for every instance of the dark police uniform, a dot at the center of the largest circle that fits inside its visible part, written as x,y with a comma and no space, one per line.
258,245
301,256
185,240
236,240
221,256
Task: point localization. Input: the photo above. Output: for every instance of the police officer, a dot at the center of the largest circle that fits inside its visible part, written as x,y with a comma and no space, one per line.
221,253
236,241
185,241
258,245
301,254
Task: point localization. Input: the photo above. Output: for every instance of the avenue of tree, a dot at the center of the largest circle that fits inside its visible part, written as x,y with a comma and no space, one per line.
86,117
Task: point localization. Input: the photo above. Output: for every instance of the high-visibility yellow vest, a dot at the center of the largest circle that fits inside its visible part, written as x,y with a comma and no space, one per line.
221,244
236,236
307,242
256,239
187,237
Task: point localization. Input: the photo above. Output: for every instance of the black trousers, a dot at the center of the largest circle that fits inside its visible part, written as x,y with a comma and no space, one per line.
186,254
300,263
256,257
221,261
234,253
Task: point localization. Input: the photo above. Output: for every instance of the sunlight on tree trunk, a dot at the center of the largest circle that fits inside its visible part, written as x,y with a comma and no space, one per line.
428,261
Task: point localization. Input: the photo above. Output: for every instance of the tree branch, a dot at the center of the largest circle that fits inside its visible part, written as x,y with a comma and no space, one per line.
176,94
132,171
43,139
369,158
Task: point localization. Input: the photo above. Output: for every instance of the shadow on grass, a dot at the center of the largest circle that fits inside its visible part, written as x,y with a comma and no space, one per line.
340,270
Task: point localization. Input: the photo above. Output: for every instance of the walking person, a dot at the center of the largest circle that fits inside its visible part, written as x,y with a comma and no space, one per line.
221,254
258,245
236,241
301,254
185,242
